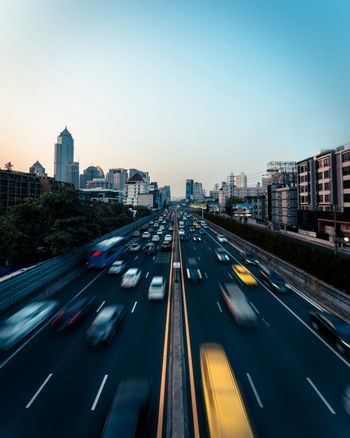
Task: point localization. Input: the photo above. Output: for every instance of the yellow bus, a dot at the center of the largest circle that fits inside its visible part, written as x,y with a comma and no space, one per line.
226,414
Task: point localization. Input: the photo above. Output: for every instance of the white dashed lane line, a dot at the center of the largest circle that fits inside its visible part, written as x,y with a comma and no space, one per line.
135,304
100,306
39,390
93,407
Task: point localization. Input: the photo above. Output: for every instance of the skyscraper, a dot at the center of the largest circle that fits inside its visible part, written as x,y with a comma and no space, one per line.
64,152
37,169
73,174
189,188
117,177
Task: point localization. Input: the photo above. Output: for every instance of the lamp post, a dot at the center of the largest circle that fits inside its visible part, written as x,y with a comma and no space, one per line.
335,228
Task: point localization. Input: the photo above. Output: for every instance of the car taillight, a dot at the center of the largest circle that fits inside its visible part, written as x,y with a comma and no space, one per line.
57,317
74,318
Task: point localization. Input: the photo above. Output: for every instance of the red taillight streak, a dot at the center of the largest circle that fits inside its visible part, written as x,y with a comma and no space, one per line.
74,318
57,317
97,253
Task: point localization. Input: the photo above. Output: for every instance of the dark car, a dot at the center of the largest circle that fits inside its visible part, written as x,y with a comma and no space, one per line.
184,237
105,324
192,270
150,248
273,280
72,314
201,231
196,238
248,258
192,230
334,328
166,246
128,415
222,255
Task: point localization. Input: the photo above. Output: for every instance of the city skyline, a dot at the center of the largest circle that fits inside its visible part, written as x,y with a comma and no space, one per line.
191,91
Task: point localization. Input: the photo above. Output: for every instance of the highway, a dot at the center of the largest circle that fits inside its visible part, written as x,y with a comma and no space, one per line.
291,379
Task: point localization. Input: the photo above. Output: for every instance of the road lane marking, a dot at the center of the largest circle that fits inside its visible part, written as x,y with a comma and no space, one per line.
136,257
99,392
165,352
265,322
230,276
206,275
256,310
6,361
154,257
189,356
199,258
147,274
254,390
309,300
100,306
320,395
345,362
219,306
135,304
39,390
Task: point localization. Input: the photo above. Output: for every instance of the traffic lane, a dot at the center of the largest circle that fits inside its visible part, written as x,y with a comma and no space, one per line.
63,359
266,342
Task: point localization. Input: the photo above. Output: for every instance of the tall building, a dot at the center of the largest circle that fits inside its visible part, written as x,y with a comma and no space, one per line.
64,154
198,193
164,196
231,185
242,184
117,177
89,174
73,174
145,175
37,169
134,186
189,188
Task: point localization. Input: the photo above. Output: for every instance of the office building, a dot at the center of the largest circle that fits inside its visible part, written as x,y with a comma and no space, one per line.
189,188
134,186
73,174
37,169
198,193
144,175
64,153
117,177
99,183
89,174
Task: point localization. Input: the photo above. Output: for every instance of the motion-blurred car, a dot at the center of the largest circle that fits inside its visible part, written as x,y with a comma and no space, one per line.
155,238
222,255
171,228
168,238
105,324
73,313
166,246
131,277
128,415
160,232
244,275
201,231
181,232
248,258
150,248
192,230
134,247
117,267
136,233
156,289
184,237
196,238
238,305
21,323
273,280
192,270
146,235
332,327
221,238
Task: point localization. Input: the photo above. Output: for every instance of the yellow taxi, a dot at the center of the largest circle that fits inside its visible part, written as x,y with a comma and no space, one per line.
244,275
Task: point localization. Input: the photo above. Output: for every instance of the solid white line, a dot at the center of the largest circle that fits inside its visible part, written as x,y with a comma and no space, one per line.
230,276
99,392
100,306
265,322
39,390
296,316
132,311
256,310
309,300
254,390
320,395
147,274
48,322
219,306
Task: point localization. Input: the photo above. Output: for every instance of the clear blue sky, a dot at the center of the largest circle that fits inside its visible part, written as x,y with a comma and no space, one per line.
184,89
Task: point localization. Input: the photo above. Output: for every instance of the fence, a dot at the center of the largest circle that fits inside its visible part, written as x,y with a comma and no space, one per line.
18,287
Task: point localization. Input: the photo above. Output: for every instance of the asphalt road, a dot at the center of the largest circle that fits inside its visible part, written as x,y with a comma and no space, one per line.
58,386
291,380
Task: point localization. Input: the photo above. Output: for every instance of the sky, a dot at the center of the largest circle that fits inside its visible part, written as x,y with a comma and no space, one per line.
182,89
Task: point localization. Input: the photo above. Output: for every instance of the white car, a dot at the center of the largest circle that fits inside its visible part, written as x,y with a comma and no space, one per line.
156,289
20,324
221,238
155,238
156,225
146,235
181,232
168,238
134,247
131,277
117,267
160,232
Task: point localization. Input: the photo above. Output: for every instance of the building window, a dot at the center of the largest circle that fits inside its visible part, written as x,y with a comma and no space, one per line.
320,198
347,197
346,170
327,198
326,162
326,174
346,157
346,184
320,187
326,186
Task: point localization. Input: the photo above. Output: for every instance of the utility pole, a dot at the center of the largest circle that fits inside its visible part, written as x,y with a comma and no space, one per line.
335,228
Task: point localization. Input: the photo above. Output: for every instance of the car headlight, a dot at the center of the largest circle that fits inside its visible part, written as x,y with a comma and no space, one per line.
345,343
275,285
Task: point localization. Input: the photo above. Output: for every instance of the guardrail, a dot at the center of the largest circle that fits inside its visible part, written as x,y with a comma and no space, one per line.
322,293
18,287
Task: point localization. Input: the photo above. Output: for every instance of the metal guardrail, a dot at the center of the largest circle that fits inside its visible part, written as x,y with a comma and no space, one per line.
18,287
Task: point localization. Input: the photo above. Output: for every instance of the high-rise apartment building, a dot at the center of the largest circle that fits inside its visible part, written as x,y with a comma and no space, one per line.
145,175
64,153
134,186
189,188
117,177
